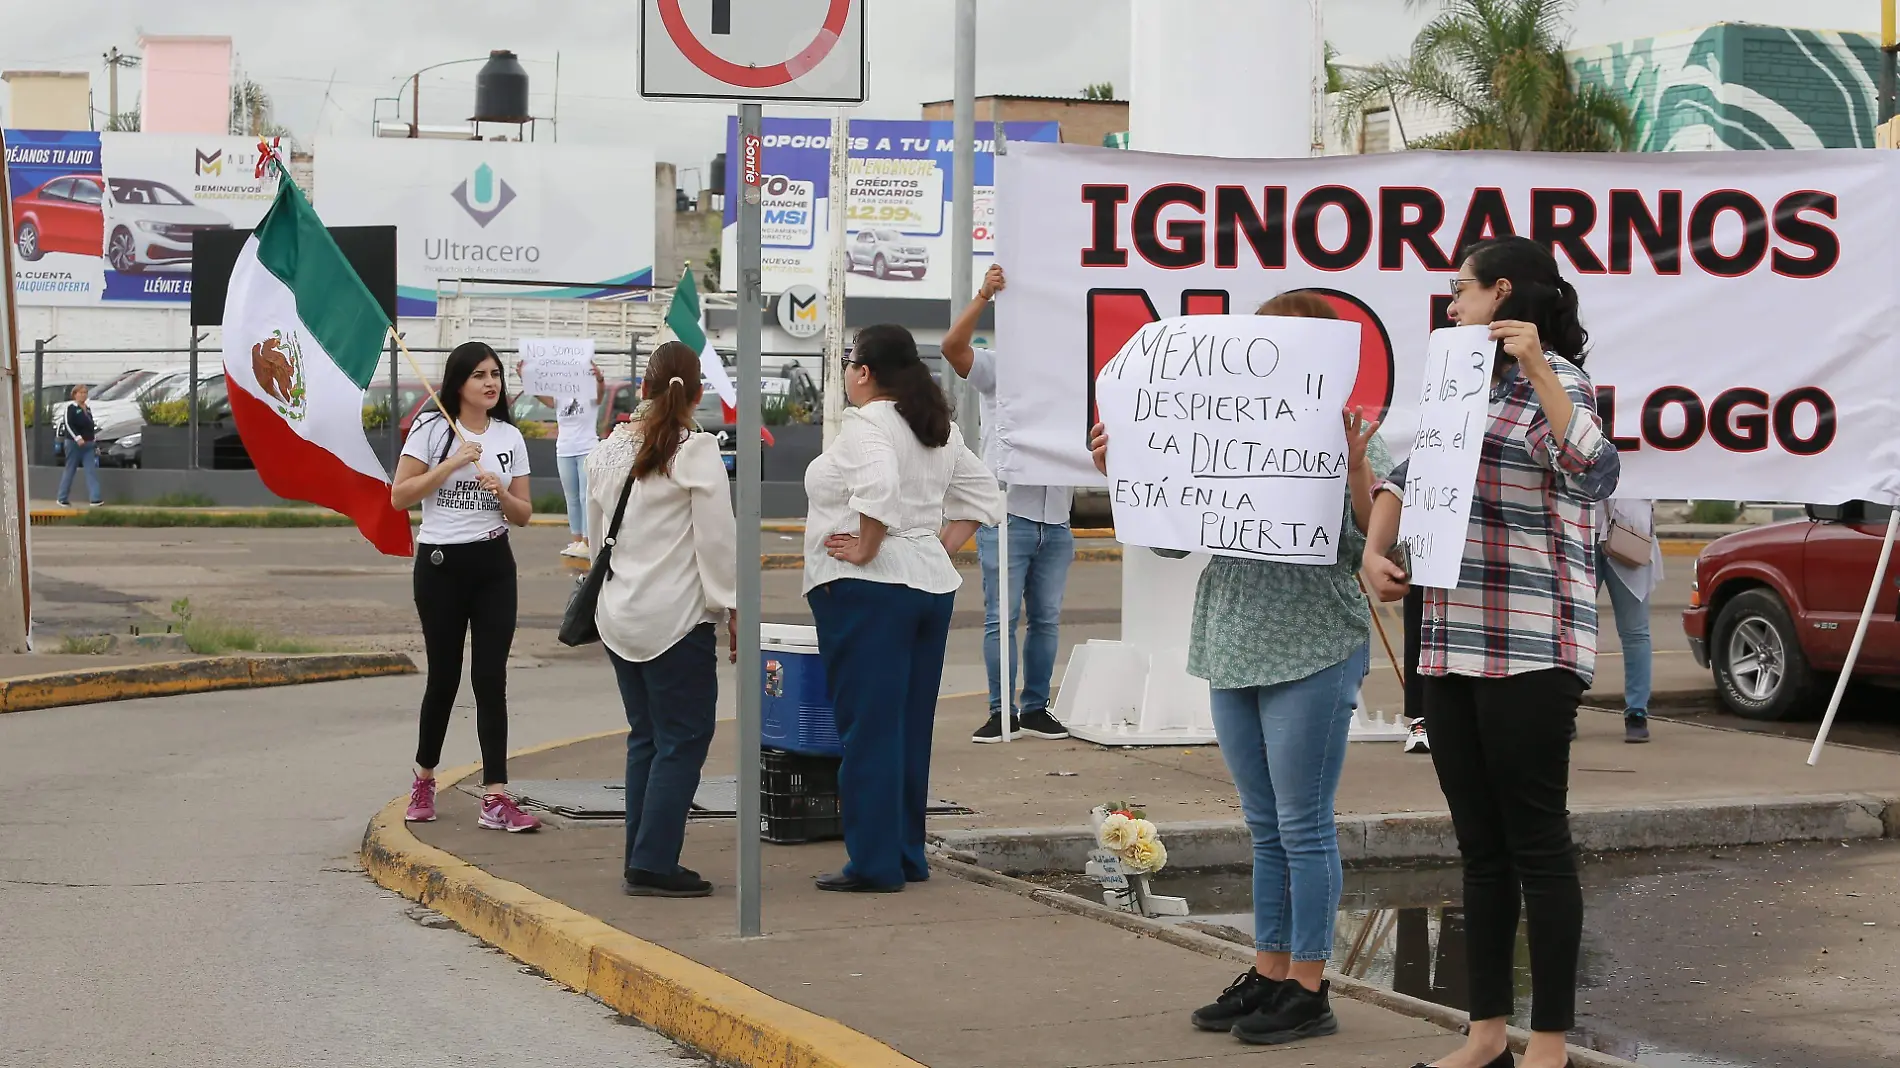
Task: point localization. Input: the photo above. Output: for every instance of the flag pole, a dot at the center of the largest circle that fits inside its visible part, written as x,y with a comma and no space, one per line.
423,378
1860,634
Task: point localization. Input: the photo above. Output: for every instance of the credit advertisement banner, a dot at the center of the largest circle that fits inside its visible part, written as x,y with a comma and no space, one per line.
110,217
898,233
575,221
1743,317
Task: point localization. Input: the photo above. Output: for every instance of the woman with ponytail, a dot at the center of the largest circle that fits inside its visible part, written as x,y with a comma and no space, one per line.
891,498
1505,657
672,578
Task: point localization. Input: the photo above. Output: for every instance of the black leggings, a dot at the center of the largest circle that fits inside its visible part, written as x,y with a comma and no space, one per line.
1502,751
1414,630
471,590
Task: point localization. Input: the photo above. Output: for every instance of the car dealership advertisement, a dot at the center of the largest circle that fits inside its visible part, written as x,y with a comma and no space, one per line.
109,217
898,232
489,217
1743,317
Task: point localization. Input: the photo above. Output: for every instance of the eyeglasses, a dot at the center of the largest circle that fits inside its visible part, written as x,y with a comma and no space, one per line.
1458,285
845,363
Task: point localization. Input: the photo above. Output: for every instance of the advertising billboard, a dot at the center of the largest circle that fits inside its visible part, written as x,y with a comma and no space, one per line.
897,234
489,217
110,217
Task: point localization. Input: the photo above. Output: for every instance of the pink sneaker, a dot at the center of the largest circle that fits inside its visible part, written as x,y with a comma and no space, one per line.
421,801
499,813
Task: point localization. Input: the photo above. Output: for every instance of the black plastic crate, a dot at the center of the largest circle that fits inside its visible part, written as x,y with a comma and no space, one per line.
798,798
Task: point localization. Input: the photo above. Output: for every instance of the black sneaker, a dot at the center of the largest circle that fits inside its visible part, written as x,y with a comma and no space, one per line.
682,883
1297,1013
992,729
1041,724
1636,727
1248,994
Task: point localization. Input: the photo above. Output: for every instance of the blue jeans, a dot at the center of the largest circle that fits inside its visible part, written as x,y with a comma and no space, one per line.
882,646
671,707
75,455
1285,746
1632,629
1039,557
573,471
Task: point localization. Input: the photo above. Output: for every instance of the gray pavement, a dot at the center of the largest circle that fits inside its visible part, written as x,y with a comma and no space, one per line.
178,887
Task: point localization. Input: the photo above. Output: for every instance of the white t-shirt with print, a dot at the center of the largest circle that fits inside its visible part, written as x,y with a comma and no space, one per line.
461,511
576,418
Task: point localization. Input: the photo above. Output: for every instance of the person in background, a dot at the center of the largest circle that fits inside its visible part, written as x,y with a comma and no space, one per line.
1041,547
891,498
1508,654
1284,648
83,449
468,467
577,421
1631,585
1417,739
673,578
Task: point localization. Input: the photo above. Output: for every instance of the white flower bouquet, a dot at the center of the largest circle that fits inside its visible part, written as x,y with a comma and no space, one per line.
1124,830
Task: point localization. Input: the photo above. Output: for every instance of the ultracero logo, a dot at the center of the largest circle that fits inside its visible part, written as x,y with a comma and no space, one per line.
483,195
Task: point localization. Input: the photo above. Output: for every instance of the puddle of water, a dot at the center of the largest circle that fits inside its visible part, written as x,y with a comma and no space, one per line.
1405,930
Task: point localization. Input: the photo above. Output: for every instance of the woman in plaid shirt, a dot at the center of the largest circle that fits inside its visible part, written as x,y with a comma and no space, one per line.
1507,655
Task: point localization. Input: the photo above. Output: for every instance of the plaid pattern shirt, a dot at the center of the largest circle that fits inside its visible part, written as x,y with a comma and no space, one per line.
1527,595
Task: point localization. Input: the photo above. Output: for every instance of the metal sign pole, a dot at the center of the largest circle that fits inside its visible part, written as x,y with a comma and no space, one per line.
963,205
750,307
837,200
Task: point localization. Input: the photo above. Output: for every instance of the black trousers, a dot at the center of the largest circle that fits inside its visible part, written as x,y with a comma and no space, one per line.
1414,628
468,596
1502,751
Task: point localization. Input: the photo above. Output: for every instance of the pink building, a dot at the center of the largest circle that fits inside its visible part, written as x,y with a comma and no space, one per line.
187,85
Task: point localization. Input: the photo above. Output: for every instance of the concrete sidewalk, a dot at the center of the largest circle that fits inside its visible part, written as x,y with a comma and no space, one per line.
951,973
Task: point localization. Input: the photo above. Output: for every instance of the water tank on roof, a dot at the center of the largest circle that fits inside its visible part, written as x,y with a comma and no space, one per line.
716,181
501,89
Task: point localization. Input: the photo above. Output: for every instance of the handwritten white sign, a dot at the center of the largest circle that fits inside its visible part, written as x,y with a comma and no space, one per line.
557,367
1443,468
1226,435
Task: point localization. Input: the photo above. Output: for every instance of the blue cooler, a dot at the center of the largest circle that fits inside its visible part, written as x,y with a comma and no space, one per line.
796,712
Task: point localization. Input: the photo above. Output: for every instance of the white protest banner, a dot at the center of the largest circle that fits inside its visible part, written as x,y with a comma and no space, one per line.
1742,310
1443,466
557,366
1225,435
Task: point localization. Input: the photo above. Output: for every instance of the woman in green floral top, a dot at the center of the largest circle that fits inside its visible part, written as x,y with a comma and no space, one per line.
1283,648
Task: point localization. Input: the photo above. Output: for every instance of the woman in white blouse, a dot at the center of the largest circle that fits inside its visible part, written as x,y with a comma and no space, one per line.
1631,583
890,499
673,577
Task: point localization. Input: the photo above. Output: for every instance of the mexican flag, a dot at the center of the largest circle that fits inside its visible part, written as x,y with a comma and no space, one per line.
687,320
302,340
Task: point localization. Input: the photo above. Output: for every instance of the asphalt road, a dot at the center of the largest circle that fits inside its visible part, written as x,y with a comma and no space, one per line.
178,888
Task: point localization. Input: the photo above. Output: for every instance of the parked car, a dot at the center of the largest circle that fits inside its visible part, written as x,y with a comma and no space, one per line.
884,251
149,224
66,214
1773,610
119,408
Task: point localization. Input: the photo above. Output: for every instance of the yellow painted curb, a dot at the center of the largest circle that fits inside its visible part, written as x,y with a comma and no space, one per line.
1683,546
57,689
674,995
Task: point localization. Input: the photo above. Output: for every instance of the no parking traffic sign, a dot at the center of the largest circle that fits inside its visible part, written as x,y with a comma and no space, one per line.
796,51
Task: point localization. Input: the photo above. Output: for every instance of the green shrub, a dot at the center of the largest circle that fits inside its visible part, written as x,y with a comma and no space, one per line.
1715,513
166,413
376,415
181,499
88,645
275,518
27,407
211,636
550,504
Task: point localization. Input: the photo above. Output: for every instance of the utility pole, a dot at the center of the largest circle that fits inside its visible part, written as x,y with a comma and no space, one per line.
838,272
114,60
963,202
16,594
1887,47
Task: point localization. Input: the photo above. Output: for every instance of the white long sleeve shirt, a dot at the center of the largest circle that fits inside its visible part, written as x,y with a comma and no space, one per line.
1044,504
876,467
1640,516
674,563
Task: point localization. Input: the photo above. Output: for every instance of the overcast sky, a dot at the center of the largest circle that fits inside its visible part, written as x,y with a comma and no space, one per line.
326,61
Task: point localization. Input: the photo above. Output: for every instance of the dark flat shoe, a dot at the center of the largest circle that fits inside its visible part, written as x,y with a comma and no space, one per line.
1502,1060
839,882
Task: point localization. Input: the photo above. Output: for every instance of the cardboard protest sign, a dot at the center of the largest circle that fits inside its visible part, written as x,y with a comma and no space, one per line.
1226,435
1453,409
557,367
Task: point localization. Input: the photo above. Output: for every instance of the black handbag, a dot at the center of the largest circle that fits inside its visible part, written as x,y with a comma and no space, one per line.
577,624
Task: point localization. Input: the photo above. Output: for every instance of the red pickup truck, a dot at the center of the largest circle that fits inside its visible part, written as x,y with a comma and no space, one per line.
1773,610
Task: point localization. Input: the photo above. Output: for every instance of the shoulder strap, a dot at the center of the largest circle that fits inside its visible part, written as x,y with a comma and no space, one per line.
613,529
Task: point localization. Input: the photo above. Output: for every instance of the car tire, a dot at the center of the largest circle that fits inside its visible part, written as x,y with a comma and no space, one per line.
28,241
880,269
918,273
1755,652
121,252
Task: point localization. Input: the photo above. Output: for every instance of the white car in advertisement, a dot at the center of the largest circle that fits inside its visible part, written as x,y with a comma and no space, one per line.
149,224
885,251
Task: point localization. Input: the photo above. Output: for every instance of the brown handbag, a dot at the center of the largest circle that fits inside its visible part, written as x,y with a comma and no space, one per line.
1627,545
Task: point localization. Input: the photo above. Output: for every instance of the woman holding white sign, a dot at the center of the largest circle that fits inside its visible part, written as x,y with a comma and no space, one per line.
1507,654
1283,647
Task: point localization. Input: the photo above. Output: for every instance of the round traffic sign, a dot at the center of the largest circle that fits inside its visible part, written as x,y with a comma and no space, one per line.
750,77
